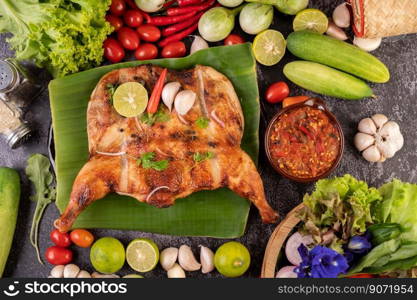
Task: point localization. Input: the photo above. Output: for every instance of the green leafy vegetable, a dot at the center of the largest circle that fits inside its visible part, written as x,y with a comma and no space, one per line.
38,173
200,157
202,122
159,117
111,88
148,162
64,36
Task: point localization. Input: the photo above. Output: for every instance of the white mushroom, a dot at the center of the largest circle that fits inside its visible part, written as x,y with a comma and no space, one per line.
57,271
71,271
187,260
378,138
168,258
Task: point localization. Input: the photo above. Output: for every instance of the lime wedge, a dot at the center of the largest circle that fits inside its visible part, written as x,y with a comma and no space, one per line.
142,255
269,47
311,19
130,99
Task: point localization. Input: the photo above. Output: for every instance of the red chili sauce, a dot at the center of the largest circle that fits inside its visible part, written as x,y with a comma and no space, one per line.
304,142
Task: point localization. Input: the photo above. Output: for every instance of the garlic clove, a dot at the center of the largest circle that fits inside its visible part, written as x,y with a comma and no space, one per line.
176,272
58,271
198,44
168,258
341,16
367,126
187,260
98,275
379,120
372,154
184,101
367,44
363,141
336,32
83,274
71,271
206,259
169,92
390,133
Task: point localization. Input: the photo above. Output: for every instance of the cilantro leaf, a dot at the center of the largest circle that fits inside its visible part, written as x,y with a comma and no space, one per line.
159,117
111,88
202,122
147,161
200,157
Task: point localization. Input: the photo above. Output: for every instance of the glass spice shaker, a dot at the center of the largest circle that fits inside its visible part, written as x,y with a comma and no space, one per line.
11,124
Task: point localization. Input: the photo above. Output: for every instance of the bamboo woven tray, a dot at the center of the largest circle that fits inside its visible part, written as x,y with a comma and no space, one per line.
277,240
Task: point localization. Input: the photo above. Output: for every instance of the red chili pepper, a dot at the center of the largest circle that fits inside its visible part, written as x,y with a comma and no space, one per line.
166,20
182,3
146,16
169,3
156,93
167,31
178,36
306,132
176,11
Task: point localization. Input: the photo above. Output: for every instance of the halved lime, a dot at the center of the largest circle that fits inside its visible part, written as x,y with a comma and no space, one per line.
142,255
133,276
311,19
269,47
130,99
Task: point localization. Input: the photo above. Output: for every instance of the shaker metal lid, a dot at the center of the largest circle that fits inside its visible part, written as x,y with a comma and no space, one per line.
7,75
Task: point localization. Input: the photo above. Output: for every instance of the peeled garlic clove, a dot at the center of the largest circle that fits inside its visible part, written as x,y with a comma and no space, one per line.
367,126
71,271
83,274
363,141
169,92
184,101
341,16
198,44
367,44
206,259
372,154
336,32
187,260
176,272
58,271
98,275
379,120
168,258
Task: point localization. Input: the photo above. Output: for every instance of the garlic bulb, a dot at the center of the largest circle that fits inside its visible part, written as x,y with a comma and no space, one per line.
198,44
184,101
176,272
378,138
168,258
367,44
169,92
341,16
187,260
206,259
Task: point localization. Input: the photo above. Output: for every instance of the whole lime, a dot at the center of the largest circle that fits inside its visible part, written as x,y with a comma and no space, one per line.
107,255
232,259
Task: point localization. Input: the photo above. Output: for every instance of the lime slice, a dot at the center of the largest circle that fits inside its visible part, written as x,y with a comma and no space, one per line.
130,99
142,255
311,19
269,47
133,276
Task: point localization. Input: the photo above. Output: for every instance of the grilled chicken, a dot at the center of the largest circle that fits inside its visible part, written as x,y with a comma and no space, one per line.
116,143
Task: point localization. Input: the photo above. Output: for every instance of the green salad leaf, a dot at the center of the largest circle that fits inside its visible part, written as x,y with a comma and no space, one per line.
64,36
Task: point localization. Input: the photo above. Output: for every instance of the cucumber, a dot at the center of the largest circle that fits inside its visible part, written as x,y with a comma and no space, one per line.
327,81
9,204
337,54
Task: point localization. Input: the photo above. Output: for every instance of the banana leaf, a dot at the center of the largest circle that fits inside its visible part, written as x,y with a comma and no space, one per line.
219,213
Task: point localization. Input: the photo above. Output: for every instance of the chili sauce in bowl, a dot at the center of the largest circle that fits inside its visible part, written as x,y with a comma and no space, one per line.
304,142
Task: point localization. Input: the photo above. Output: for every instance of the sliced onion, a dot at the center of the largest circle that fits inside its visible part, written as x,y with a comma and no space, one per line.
291,248
287,272
161,152
216,118
184,101
111,153
154,191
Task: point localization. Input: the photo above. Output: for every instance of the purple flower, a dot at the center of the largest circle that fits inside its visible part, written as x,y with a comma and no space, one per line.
320,262
359,244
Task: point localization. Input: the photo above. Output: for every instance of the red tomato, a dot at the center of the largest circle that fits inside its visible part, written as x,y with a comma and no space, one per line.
58,255
174,49
117,7
82,238
146,51
277,92
60,239
113,51
114,21
149,33
233,39
361,276
133,18
128,38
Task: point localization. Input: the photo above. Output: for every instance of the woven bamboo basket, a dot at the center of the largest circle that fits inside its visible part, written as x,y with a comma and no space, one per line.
381,18
277,241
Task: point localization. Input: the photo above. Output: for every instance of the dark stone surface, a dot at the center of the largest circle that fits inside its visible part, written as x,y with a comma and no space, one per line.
396,99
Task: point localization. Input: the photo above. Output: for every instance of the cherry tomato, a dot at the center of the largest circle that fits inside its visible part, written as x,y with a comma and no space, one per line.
128,38
233,39
146,51
117,7
174,49
114,21
58,255
133,18
277,92
149,33
82,238
60,239
113,51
